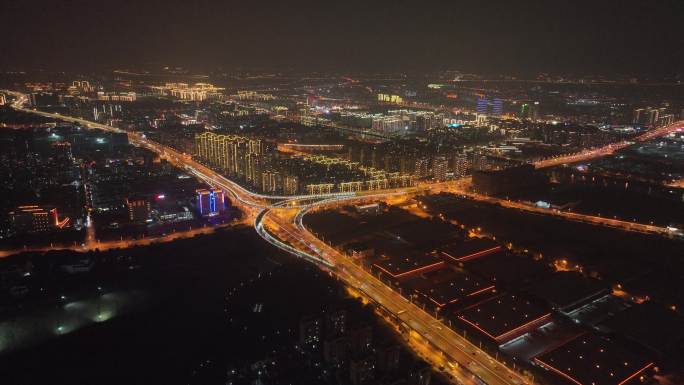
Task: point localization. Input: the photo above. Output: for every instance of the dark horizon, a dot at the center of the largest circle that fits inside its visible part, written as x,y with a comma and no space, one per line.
579,37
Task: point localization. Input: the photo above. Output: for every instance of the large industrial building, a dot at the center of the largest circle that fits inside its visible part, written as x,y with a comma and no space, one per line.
593,359
505,317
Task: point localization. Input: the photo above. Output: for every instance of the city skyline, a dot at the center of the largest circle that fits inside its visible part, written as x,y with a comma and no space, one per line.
348,193
524,38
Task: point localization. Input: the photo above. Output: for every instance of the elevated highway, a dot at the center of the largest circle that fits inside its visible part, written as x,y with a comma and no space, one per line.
609,149
278,220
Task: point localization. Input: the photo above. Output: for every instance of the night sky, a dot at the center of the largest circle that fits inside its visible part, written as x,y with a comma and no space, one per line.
523,37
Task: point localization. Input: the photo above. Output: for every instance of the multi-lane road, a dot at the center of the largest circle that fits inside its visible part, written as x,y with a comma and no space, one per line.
94,244
464,187
609,149
278,219
461,355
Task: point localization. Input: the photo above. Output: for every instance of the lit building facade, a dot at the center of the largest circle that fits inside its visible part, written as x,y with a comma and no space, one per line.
231,154
138,209
440,168
34,219
290,185
461,165
422,168
210,202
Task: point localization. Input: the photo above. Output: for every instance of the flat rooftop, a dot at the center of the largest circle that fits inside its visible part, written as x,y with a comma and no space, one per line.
470,249
426,234
407,265
651,325
593,359
505,317
447,286
503,268
662,284
541,340
389,247
337,227
567,290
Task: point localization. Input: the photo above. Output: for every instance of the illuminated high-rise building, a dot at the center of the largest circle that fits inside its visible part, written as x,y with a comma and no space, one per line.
425,121
497,107
253,169
387,98
530,111
210,202
481,162
271,181
255,146
291,185
665,119
648,116
201,145
482,105
240,150
440,168
82,85
422,167
234,155
461,165
486,106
